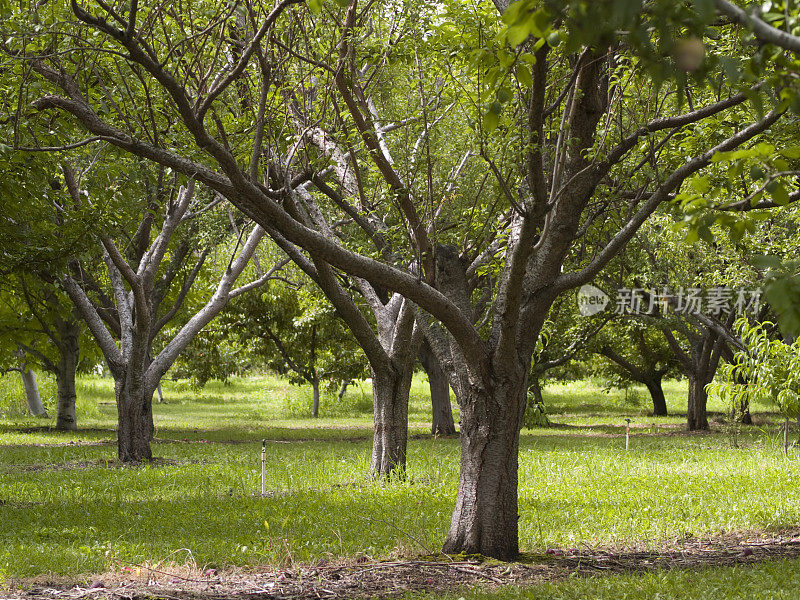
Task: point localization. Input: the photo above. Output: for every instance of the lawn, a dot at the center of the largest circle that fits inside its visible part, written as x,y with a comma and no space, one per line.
66,506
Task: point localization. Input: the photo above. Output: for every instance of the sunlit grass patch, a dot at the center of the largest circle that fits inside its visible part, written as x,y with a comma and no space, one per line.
67,506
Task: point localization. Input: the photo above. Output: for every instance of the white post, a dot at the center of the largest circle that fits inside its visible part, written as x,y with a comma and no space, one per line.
263,467
627,434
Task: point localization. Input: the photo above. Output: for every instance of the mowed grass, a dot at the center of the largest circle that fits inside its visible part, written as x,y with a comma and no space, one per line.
768,581
67,507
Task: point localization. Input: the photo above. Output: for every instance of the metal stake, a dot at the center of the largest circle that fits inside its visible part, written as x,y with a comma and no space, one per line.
263,467
627,434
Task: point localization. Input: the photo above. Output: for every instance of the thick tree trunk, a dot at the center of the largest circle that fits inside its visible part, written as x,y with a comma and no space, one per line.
485,519
32,393
657,394
696,417
442,412
66,419
390,391
315,402
135,420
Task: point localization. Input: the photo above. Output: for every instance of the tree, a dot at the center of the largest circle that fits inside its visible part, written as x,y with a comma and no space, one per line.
39,327
573,142
637,351
764,367
149,274
38,324
293,330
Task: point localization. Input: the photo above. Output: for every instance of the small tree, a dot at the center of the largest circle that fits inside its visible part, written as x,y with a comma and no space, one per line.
637,351
765,369
295,331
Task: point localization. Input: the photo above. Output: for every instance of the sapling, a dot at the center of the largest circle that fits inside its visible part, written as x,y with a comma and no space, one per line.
766,369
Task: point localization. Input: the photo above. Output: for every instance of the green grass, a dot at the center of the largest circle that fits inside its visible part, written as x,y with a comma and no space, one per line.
767,581
67,508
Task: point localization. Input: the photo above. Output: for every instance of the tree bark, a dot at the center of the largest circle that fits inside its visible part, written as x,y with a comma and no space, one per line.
135,418
390,391
32,393
485,519
696,417
442,413
66,418
657,394
315,403
67,367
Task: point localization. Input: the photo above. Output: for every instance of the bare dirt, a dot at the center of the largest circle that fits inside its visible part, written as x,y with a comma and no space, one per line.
361,578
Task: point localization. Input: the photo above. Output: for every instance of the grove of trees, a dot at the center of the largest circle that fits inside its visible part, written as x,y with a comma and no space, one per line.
413,180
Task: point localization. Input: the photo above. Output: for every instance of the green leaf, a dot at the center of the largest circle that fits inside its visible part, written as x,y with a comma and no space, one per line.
733,155
540,22
756,172
524,76
491,119
315,6
792,152
732,68
705,9
518,34
701,184
767,261
504,94
705,234
779,195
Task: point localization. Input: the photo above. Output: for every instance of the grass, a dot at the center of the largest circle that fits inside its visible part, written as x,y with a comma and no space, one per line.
66,507
767,581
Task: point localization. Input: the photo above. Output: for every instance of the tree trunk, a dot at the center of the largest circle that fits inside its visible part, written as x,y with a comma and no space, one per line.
696,417
32,393
536,388
657,394
315,403
442,419
343,389
135,420
485,519
741,413
66,419
390,391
